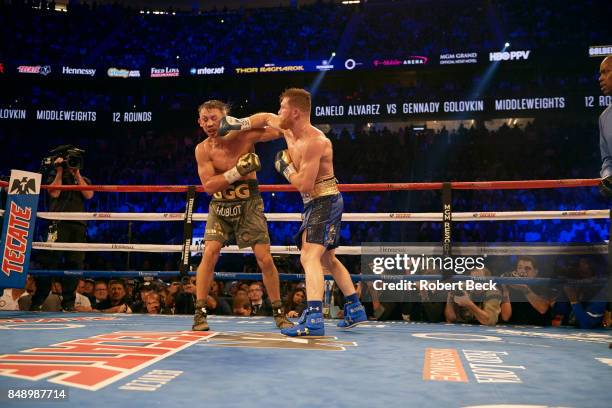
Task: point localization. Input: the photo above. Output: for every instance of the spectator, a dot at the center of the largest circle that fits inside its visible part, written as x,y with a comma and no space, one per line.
68,172
101,300
460,306
10,298
153,303
241,305
81,302
296,303
89,289
582,306
523,304
214,303
185,301
118,298
53,301
139,306
259,305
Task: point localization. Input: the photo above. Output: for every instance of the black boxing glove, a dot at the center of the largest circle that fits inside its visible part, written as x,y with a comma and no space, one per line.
605,187
284,165
229,123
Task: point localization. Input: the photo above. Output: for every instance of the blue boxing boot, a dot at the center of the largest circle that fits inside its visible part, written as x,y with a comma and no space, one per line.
354,313
310,323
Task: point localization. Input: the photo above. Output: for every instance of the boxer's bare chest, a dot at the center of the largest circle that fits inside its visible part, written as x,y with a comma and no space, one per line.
296,151
224,155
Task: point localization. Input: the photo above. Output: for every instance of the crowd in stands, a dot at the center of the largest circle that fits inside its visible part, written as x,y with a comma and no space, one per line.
110,33
580,303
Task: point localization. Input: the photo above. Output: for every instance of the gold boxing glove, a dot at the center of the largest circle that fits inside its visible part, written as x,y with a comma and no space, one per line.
247,163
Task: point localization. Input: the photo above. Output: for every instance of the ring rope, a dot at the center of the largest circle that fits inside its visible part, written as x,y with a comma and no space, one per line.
459,185
296,277
346,217
341,250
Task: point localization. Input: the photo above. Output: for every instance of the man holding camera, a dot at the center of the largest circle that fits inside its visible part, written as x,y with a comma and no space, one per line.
67,172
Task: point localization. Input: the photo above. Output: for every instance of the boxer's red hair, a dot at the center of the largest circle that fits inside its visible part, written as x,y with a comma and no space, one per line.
299,98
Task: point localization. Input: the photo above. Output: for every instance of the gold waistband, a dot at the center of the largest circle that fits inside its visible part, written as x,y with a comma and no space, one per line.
325,186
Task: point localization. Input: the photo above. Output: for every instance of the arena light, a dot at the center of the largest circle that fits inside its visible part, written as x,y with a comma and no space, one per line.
486,77
351,1
316,83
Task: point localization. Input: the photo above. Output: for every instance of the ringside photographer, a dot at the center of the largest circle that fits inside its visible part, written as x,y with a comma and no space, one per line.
64,166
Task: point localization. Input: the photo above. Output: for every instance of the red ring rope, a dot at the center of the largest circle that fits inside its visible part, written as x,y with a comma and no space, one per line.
458,185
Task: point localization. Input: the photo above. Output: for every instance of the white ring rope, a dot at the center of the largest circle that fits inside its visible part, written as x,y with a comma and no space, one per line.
342,250
347,217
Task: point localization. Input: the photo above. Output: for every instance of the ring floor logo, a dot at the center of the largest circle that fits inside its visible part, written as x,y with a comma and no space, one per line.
486,366
96,362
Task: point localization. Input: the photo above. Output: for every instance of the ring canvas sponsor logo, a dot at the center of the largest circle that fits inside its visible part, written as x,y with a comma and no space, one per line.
261,340
98,361
485,366
443,365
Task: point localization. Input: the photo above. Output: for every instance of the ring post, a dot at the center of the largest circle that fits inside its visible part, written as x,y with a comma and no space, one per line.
187,231
18,228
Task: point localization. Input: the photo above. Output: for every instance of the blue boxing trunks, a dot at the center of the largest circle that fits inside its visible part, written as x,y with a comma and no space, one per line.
322,215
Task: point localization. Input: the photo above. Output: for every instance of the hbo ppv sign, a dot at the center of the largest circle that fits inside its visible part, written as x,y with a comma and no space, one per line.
509,55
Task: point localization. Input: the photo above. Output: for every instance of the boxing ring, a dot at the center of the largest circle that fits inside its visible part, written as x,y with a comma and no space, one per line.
124,360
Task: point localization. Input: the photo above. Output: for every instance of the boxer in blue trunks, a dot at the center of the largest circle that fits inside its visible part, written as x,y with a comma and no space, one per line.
308,165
